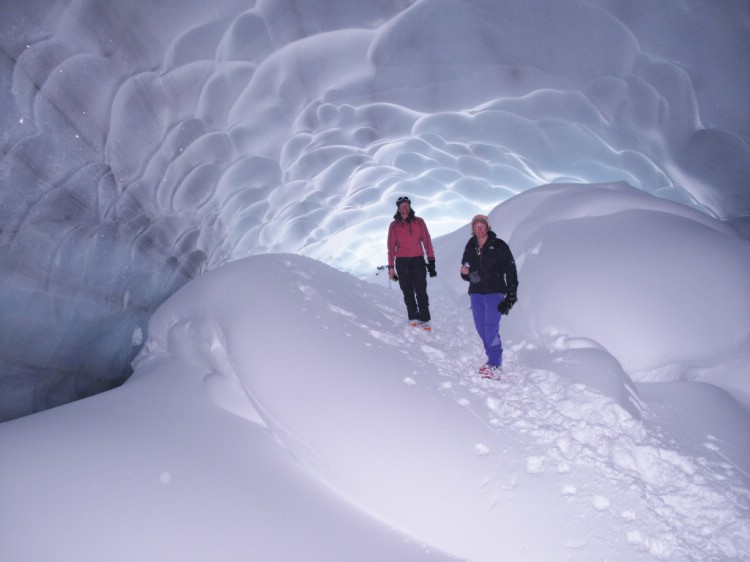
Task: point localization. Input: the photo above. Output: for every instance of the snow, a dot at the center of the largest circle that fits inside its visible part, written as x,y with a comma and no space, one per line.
146,143
203,189
281,409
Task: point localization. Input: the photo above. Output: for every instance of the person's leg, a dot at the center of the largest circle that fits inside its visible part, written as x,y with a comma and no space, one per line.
487,324
477,312
406,283
419,271
492,329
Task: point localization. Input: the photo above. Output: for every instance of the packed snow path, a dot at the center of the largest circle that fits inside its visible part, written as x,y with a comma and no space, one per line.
564,437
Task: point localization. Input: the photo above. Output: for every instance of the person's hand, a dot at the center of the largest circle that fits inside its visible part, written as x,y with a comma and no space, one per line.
392,274
507,303
464,271
431,267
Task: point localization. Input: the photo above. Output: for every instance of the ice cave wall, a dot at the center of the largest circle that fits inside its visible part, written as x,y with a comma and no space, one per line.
143,144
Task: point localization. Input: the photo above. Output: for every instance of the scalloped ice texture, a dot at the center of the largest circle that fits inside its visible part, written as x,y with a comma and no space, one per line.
144,146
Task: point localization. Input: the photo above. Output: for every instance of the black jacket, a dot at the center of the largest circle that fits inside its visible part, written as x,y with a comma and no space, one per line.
495,266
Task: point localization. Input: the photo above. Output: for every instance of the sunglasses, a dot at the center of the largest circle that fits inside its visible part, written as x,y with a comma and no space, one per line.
403,200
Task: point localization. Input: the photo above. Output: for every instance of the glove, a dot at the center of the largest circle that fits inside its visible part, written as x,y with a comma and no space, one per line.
431,267
507,303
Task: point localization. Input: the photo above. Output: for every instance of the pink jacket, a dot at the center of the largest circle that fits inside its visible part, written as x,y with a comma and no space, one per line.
406,239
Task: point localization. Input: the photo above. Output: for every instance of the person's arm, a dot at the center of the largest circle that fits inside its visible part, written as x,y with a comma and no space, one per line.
465,267
391,243
511,273
427,241
427,244
511,282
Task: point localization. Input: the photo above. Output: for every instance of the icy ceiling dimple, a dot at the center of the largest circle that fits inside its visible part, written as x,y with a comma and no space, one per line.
144,146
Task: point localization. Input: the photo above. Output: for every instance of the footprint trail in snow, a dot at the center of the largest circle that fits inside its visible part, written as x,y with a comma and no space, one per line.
663,503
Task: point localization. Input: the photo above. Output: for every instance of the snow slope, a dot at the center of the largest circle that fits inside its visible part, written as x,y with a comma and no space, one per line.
144,143
281,410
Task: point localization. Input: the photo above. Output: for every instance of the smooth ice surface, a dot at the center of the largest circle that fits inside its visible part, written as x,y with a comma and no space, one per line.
282,409
145,144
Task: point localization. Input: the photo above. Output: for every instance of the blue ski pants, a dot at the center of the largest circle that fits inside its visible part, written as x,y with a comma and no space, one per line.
487,323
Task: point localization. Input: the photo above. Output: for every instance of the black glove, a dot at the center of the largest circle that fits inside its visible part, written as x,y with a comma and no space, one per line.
431,267
507,303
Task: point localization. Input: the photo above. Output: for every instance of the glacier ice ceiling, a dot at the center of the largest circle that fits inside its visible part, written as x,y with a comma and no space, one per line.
143,144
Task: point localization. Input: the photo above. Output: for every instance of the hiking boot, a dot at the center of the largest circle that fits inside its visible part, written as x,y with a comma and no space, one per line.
413,323
491,372
425,326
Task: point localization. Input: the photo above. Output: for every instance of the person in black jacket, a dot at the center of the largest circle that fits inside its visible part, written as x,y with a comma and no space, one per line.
490,269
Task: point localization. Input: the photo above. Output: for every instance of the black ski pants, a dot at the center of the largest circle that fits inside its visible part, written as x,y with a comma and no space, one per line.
412,278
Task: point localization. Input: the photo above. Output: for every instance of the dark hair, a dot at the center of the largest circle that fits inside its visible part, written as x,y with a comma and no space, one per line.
409,218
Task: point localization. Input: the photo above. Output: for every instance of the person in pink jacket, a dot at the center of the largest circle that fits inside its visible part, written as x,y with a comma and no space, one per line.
408,242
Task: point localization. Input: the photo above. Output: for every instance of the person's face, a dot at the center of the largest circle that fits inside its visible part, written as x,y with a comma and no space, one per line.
480,229
403,209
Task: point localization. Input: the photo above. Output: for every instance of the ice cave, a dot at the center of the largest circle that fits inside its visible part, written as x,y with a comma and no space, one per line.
200,358
146,143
